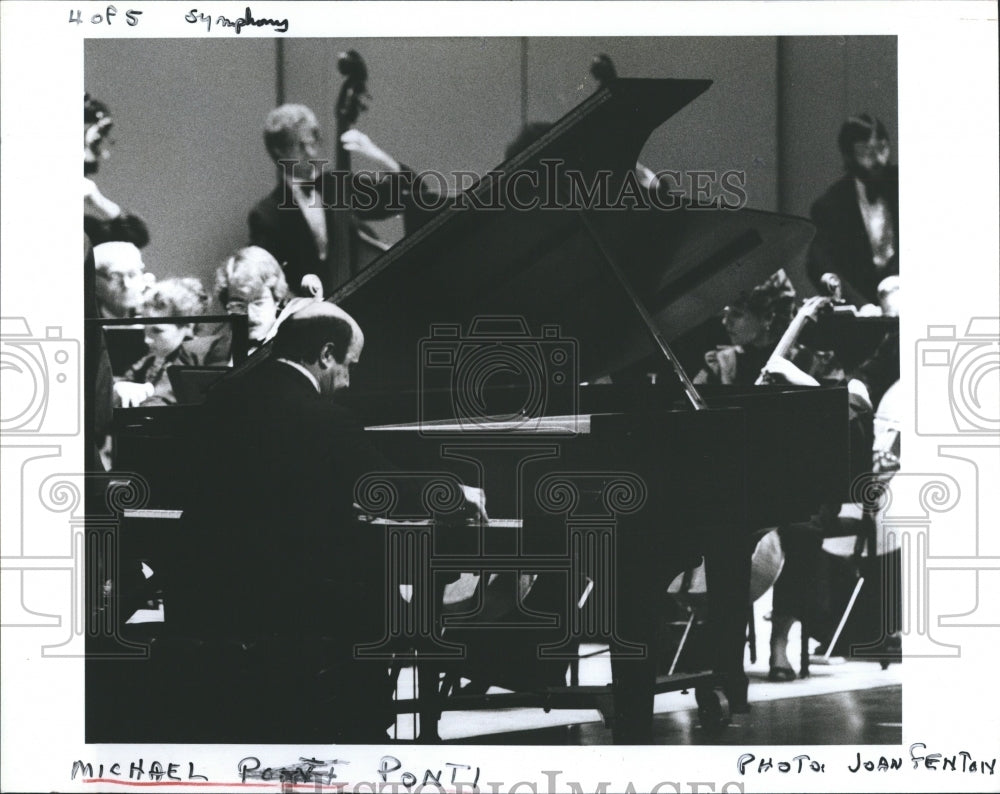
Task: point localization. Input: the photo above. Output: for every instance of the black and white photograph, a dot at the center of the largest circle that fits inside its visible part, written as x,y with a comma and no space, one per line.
498,397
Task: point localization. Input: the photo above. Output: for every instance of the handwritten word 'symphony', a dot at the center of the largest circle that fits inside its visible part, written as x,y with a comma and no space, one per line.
247,20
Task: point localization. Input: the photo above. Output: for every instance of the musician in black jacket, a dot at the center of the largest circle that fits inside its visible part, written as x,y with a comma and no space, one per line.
295,220
278,559
857,219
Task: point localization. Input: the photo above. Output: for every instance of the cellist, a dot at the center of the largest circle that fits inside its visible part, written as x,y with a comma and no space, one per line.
763,328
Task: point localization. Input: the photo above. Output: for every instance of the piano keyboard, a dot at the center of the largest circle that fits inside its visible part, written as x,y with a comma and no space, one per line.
571,424
493,523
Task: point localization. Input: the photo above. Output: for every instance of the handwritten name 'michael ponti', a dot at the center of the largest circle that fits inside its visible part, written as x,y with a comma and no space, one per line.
247,20
962,761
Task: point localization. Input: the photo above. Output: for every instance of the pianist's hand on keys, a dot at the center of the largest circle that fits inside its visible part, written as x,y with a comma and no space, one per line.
475,500
474,510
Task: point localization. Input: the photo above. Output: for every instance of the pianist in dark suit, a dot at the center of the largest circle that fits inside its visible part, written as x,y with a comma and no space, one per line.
857,219
294,221
278,558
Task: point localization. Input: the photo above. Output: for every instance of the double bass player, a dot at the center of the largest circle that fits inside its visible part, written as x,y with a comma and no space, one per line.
312,221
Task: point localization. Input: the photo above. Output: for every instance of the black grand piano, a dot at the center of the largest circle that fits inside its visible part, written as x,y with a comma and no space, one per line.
554,302
497,346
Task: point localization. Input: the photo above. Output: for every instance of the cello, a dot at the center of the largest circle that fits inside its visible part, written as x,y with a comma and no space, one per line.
353,247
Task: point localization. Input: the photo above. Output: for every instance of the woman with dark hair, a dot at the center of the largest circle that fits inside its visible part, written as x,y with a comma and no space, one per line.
755,324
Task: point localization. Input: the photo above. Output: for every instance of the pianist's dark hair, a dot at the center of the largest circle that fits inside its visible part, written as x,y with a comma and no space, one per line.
302,339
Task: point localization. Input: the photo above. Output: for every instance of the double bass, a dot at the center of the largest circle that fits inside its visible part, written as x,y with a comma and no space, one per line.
354,247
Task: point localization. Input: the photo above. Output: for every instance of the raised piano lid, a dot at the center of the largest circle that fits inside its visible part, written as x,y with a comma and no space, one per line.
549,267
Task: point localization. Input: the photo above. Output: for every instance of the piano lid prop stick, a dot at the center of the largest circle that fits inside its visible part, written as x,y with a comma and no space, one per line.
695,398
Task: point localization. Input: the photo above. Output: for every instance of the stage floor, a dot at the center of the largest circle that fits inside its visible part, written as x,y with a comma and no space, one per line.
856,702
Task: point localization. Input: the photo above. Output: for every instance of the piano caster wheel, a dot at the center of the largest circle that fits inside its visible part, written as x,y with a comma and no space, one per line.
884,665
713,710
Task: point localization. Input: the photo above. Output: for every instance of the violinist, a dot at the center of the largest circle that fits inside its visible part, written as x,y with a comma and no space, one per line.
297,221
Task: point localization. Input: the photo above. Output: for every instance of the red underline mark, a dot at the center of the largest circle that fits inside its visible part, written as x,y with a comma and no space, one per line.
271,784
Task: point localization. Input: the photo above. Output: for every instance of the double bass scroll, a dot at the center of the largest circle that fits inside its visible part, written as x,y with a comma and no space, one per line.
352,247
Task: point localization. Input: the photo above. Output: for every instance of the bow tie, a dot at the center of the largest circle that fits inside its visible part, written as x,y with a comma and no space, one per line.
875,188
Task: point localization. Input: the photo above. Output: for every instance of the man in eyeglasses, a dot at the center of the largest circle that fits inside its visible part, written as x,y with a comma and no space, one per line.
857,219
121,279
249,282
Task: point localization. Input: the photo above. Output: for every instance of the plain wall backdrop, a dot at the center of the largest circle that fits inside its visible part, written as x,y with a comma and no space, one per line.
189,158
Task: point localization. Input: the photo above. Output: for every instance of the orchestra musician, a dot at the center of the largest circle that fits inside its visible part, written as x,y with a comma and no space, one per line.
146,382
295,221
857,219
250,282
99,379
276,547
755,323
121,280
763,328
103,220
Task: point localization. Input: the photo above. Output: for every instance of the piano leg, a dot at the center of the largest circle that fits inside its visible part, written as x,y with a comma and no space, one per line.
727,571
639,610
633,686
429,686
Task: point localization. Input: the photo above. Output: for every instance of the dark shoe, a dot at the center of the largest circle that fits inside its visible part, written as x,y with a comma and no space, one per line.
780,674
